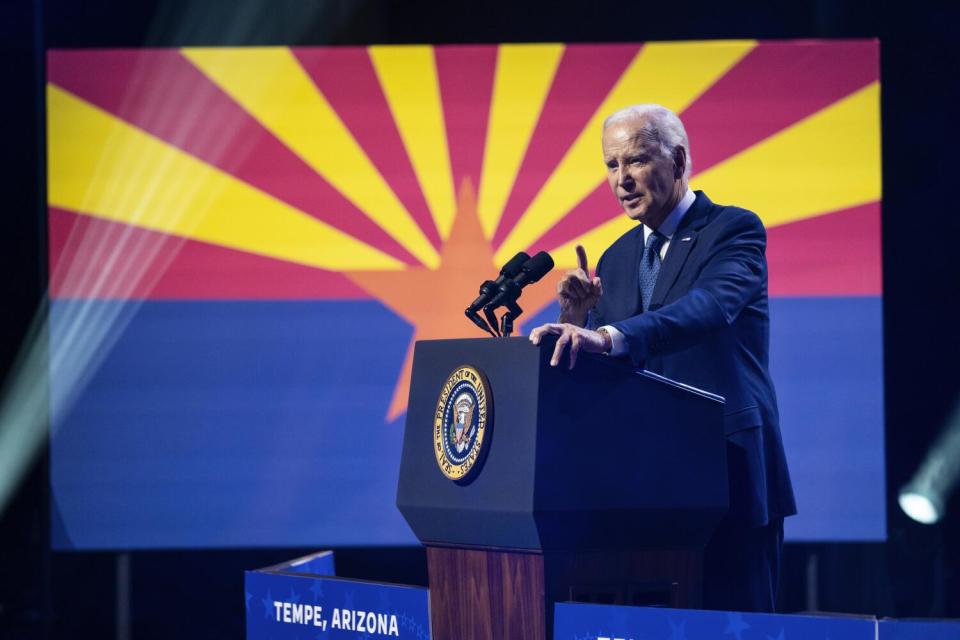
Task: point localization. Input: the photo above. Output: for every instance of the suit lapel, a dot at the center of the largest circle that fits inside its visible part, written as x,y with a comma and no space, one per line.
680,245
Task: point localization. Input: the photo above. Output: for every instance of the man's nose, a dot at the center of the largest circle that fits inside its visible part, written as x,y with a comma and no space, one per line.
624,179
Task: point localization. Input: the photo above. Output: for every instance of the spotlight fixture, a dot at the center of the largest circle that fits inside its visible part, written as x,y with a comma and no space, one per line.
923,508
925,497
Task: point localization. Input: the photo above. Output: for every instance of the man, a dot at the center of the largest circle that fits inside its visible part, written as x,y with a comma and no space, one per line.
684,294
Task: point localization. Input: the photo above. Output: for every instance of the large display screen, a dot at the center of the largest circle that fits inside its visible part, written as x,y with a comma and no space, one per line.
245,243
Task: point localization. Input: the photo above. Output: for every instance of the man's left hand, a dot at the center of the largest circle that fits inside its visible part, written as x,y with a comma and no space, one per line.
576,337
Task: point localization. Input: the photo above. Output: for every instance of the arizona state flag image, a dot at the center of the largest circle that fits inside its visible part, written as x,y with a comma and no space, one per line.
245,243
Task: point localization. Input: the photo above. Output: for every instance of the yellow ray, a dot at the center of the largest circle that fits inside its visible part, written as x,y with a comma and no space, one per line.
670,74
827,161
104,167
272,86
408,76
523,78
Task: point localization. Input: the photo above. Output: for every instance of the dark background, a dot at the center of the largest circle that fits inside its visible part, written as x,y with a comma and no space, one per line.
199,593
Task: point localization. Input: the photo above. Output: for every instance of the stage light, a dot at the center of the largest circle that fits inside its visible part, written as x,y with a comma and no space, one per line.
920,507
925,497
23,409
73,334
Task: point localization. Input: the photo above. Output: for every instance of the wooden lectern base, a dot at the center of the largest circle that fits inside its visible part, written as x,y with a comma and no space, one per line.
493,595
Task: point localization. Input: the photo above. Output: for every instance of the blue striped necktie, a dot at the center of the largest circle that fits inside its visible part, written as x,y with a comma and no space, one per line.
650,268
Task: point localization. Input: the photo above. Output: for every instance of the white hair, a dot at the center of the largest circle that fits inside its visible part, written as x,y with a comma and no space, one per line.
660,121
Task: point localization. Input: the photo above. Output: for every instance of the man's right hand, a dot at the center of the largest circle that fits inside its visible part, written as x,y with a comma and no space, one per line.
577,292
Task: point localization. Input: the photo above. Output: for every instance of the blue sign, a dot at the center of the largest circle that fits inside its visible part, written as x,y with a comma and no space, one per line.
605,622
298,600
919,630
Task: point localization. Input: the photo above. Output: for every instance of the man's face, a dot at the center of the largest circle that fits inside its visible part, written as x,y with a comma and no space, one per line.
646,182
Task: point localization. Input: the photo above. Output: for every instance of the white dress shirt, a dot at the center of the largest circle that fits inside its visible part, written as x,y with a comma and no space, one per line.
667,228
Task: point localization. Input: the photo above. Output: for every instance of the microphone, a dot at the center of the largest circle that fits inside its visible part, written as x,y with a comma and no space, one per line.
531,271
491,288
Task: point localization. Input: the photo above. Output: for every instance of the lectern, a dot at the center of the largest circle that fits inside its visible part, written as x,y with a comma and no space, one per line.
531,484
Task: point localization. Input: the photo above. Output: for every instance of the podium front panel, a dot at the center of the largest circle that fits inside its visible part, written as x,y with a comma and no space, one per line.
600,456
495,508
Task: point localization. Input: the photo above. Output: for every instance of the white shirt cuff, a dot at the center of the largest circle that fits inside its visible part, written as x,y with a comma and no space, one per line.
619,341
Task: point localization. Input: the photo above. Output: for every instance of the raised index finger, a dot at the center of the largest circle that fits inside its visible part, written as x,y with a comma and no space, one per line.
582,260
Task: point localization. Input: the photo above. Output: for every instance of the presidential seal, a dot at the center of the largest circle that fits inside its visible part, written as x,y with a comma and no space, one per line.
462,423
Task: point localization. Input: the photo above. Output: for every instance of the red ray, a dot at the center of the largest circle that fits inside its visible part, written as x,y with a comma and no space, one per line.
162,93
85,250
349,82
466,86
585,76
775,85
837,254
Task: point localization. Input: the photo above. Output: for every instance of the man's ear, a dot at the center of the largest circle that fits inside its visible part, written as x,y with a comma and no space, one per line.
679,162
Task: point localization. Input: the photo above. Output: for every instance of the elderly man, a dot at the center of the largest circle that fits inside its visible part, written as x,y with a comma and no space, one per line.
684,294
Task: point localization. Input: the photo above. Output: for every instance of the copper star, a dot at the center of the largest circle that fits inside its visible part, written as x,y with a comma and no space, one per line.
433,300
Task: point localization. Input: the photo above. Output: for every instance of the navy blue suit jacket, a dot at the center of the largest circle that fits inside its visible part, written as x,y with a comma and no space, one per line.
708,326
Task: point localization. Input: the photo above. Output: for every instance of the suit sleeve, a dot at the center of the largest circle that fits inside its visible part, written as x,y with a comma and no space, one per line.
730,278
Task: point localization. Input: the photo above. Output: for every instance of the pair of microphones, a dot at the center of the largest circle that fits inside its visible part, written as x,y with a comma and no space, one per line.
521,270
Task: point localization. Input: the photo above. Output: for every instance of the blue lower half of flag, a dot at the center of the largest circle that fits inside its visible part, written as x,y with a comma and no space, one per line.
181,424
